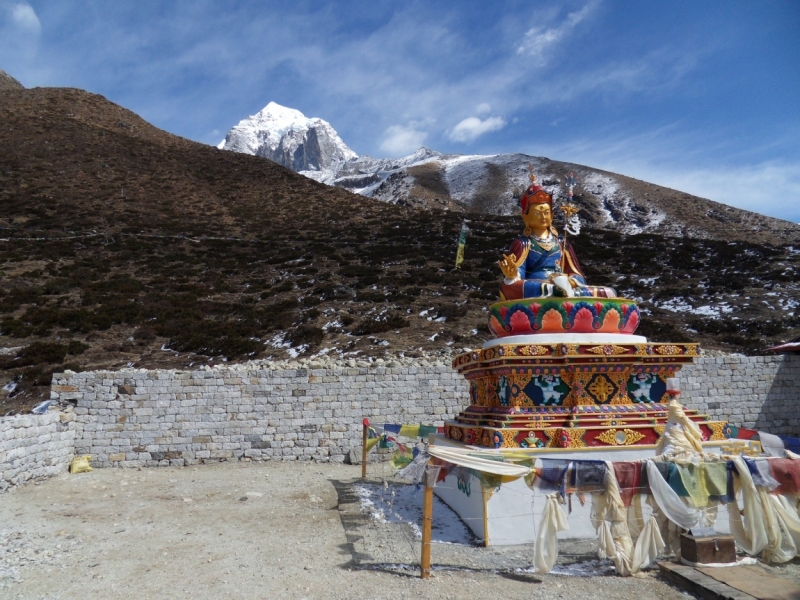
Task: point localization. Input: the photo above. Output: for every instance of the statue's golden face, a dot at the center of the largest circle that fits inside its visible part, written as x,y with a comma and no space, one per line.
539,218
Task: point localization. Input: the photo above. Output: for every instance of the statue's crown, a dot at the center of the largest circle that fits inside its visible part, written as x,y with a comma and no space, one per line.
535,194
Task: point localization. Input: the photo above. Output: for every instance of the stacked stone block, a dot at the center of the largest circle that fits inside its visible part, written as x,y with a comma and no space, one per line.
160,418
757,392
33,446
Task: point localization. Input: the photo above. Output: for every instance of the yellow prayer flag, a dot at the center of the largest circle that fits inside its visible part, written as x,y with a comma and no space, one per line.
409,431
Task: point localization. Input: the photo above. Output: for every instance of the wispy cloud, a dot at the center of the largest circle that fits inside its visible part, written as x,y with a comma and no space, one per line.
25,17
690,162
770,188
472,128
241,59
539,40
20,32
402,139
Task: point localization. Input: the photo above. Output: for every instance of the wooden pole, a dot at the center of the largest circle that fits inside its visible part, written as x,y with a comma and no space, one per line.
427,521
365,424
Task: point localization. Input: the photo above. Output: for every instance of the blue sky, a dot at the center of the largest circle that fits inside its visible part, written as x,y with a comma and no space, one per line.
698,96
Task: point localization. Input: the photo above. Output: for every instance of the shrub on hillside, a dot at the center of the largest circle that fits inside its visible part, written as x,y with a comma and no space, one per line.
375,325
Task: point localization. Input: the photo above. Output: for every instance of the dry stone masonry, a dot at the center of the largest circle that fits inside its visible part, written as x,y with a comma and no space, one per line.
34,446
757,392
159,418
311,411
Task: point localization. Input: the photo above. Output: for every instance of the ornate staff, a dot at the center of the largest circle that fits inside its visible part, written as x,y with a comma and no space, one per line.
569,210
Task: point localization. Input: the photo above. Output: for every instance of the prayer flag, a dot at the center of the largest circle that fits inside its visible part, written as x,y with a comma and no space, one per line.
588,476
462,242
719,481
372,438
693,478
426,430
631,479
787,473
402,458
409,431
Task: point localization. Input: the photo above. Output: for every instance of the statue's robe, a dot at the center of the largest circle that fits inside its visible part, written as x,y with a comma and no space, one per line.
535,272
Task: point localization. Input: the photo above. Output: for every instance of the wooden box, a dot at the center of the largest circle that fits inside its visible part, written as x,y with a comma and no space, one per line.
707,546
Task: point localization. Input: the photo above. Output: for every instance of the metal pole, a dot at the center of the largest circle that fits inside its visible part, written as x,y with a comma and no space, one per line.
427,521
365,424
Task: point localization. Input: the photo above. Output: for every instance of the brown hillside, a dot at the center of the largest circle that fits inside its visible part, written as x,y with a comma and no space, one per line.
609,201
121,244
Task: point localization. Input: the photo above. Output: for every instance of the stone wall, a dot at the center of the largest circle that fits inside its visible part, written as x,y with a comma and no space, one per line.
33,446
158,418
757,392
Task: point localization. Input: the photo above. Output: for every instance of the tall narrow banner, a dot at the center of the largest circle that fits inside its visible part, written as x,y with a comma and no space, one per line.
462,242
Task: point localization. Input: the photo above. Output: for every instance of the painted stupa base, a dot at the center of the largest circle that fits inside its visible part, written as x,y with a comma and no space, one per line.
568,389
598,426
508,513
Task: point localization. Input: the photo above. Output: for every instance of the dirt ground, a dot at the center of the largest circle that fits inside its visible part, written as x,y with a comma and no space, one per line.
241,530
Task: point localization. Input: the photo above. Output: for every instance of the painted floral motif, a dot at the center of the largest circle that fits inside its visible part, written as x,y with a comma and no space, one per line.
615,437
608,350
717,431
497,439
669,350
472,437
572,438
533,350
730,431
554,315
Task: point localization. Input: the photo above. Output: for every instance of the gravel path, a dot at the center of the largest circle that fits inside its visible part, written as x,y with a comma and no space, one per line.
240,530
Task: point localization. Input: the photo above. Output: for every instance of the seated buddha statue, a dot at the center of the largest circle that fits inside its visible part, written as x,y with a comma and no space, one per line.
541,262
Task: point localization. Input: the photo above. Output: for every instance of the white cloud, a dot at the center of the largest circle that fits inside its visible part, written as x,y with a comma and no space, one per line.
472,128
538,40
25,17
769,188
402,139
669,157
483,109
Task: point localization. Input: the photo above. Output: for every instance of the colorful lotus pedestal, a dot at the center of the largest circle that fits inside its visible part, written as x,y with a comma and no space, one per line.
563,315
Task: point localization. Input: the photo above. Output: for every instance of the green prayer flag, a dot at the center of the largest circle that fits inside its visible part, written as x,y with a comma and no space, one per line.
462,242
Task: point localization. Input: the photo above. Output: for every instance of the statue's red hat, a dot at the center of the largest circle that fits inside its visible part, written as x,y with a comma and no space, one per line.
535,194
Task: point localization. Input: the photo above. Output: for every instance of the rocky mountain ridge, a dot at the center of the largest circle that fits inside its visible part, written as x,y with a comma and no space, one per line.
7,82
490,184
287,137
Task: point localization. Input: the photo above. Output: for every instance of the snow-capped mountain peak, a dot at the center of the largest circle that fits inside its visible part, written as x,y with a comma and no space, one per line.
288,137
487,184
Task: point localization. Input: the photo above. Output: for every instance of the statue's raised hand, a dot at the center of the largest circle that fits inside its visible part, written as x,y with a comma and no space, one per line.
509,266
